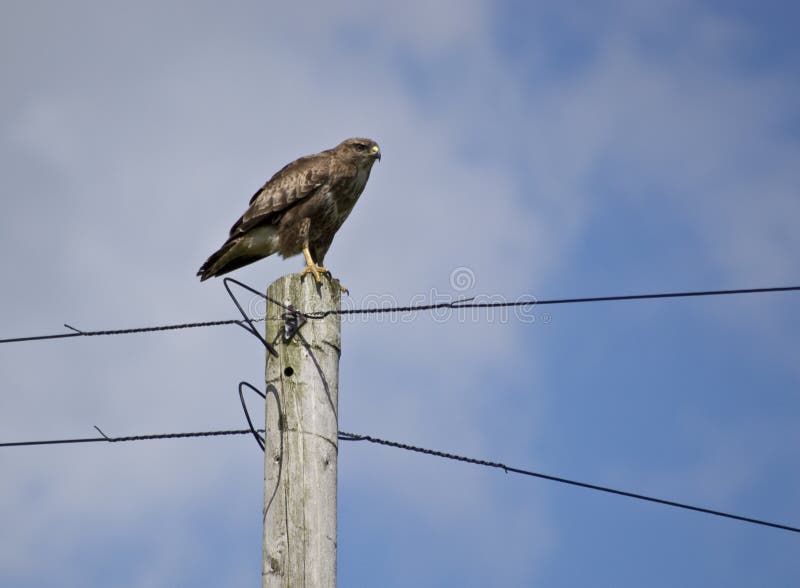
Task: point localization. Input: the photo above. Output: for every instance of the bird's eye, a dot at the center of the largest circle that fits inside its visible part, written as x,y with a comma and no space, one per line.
361,146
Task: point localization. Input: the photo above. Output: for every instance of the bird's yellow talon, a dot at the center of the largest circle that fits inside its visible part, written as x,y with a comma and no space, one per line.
316,271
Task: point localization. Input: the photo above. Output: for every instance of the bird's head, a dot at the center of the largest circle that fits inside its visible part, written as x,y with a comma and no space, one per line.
361,151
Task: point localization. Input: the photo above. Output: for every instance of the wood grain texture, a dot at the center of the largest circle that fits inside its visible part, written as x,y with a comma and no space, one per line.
300,459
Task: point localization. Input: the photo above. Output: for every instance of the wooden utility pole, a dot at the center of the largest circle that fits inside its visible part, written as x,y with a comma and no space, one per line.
300,457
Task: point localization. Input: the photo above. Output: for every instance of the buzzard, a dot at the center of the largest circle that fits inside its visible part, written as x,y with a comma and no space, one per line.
298,210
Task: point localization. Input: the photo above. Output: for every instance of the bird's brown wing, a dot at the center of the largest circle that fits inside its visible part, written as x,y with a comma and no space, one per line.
295,182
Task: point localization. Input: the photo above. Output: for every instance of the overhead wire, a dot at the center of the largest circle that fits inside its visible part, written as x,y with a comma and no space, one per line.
514,470
106,439
465,303
345,436
293,316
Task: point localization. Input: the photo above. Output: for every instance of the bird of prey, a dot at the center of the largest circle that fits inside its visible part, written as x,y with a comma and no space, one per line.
298,210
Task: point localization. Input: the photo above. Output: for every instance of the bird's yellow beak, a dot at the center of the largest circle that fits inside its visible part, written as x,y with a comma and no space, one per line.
376,152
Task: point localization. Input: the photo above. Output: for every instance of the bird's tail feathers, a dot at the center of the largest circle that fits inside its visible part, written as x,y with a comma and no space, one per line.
215,265
239,252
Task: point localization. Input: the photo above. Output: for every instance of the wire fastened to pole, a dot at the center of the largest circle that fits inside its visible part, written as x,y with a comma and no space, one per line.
259,439
247,322
345,436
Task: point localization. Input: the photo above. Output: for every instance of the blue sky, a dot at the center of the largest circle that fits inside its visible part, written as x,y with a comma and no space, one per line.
547,151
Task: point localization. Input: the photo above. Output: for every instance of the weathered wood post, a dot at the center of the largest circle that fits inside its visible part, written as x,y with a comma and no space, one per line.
300,457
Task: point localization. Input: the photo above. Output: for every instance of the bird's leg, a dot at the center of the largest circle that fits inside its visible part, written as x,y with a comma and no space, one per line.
317,270
312,267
